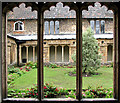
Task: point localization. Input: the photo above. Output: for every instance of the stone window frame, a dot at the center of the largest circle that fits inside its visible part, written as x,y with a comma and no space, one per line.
40,25
22,25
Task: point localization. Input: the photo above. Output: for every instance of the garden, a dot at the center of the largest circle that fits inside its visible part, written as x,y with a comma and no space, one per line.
60,81
22,82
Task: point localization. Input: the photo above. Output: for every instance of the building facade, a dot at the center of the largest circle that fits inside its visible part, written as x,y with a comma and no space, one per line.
59,33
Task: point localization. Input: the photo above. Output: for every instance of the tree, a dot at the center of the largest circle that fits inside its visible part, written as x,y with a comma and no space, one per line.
91,58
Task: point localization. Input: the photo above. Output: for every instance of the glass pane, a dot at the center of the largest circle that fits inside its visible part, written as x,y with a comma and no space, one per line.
51,27
56,27
46,27
97,27
102,26
16,26
92,24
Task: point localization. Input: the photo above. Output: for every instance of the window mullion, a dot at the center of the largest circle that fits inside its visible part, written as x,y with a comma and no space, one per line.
40,52
4,54
79,53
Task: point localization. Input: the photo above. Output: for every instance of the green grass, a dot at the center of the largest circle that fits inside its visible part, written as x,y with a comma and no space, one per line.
60,78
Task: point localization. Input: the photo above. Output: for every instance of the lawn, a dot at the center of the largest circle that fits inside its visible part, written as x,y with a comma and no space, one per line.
60,78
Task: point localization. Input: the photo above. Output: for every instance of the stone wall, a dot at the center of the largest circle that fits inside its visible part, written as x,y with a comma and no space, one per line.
30,27
66,26
11,51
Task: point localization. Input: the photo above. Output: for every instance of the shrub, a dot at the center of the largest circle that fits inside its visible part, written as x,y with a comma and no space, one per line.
13,70
91,58
53,65
51,91
31,64
99,92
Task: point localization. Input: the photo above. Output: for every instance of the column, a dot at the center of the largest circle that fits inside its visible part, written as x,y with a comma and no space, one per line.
62,53
55,53
70,54
26,54
48,53
33,53
105,55
19,54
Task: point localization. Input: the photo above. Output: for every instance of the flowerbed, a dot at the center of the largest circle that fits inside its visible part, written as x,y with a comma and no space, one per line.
54,92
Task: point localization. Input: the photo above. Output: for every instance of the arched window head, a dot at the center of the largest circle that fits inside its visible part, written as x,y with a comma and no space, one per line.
18,26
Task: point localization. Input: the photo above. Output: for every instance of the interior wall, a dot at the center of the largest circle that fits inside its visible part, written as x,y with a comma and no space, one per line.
52,54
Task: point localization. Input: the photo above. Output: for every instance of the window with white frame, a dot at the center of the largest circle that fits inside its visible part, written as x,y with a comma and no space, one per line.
18,26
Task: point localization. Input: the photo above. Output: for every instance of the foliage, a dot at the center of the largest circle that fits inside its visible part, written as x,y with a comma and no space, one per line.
53,65
15,72
91,58
99,92
51,91
32,65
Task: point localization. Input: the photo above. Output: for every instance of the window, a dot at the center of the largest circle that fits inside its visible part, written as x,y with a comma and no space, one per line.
18,25
92,24
56,27
46,27
51,27
102,26
97,27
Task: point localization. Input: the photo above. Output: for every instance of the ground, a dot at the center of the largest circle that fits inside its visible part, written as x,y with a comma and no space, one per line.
60,78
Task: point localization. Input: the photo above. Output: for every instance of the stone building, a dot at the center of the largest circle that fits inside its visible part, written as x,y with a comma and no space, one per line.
59,33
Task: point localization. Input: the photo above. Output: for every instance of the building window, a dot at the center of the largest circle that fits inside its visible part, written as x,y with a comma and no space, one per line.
56,27
92,24
102,26
18,25
51,27
46,26
97,27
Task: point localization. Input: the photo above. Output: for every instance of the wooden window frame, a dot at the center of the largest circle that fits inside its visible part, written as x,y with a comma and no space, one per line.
40,25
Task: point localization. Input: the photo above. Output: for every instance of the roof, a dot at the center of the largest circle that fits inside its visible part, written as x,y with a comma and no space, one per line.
58,36
60,12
